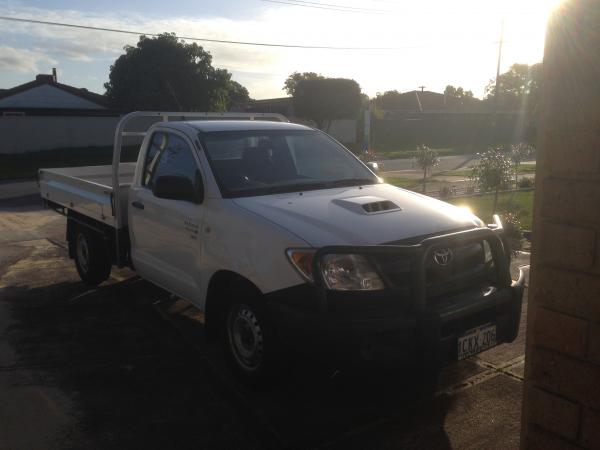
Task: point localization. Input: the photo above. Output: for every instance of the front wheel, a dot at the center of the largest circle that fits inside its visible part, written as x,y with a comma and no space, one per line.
91,258
249,341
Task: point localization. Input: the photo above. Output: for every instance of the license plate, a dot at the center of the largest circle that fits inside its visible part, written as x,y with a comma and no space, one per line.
476,340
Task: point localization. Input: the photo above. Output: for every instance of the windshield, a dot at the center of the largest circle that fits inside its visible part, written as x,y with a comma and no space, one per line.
260,162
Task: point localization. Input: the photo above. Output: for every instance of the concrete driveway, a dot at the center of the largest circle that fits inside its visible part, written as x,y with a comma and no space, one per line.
126,366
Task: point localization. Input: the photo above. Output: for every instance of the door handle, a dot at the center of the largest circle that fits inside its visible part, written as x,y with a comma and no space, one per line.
137,204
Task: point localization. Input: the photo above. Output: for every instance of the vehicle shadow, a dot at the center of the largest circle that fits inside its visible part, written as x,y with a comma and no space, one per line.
138,381
317,406
25,203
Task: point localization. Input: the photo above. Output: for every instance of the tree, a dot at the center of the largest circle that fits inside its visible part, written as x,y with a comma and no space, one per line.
325,99
518,153
458,92
389,100
292,81
238,94
165,73
517,88
492,172
457,97
426,158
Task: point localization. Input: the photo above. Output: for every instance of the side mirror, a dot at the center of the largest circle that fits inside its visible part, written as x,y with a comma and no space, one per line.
373,166
177,188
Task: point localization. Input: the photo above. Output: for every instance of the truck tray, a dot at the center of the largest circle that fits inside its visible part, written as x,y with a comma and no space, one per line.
88,190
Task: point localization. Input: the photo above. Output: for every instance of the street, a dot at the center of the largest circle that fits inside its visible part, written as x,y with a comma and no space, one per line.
125,365
446,163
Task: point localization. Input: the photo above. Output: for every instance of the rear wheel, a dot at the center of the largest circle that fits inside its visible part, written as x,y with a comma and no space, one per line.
91,257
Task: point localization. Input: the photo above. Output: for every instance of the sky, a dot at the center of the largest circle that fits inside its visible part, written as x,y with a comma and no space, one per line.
429,43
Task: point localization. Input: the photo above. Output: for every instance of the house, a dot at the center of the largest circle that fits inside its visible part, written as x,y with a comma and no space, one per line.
431,102
46,96
420,101
281,105
45,114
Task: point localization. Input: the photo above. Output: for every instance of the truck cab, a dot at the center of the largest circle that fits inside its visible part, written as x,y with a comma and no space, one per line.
288,242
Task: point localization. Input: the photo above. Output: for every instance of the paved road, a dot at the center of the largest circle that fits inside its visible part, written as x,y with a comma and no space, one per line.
126,366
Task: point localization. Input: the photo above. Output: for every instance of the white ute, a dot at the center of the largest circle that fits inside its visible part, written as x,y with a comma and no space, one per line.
286,241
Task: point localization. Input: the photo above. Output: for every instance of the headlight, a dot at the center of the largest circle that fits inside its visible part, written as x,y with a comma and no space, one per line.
350,273
340,272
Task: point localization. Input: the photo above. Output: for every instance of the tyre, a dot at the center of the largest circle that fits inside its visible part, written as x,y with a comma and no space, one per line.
91,257
249,338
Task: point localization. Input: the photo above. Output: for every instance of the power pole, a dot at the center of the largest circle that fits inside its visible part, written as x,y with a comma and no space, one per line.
367,130
422,88
497,85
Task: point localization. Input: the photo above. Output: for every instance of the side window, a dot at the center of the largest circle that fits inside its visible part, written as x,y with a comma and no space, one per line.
157,145
170,155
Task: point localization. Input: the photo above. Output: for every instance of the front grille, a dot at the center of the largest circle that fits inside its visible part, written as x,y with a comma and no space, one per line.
466,269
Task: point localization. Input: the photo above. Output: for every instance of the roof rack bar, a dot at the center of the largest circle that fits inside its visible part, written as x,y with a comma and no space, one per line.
164,116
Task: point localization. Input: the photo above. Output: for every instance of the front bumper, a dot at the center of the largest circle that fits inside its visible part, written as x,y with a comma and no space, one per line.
429,336
424,332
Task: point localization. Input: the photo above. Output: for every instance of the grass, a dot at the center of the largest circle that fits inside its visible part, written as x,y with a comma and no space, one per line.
523,169
26,165
402,182
520,202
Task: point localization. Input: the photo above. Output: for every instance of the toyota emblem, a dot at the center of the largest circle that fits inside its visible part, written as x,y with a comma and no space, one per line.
442,256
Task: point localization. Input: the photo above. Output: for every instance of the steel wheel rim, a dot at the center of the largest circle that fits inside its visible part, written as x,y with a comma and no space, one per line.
83,253
245,337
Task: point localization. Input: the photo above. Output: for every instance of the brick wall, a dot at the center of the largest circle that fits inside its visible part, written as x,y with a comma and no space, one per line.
562,374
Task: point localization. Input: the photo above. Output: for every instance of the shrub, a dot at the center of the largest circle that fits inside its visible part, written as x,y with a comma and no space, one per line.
426,158
446,191
367,156
492,172
526,182
512,230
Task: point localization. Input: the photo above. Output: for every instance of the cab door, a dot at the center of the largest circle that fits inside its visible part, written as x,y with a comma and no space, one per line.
165,243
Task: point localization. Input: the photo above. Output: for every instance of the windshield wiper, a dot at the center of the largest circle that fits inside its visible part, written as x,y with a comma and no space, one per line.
299,187
352,182
282,188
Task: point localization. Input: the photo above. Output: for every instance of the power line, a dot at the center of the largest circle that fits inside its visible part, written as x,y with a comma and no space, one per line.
218,41
338,7
311,6
200,39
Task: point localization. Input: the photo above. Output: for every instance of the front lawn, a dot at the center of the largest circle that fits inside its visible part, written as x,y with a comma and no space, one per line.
519,202
401,182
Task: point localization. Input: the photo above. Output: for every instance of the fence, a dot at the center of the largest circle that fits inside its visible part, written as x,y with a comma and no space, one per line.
24,134
467,191
397,131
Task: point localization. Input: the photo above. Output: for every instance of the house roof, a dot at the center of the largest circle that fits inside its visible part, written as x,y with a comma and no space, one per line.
420,101
49,80
282,105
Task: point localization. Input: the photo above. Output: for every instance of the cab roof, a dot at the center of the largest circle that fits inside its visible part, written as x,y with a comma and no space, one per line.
208,126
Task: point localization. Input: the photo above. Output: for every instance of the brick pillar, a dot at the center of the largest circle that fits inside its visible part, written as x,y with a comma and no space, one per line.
561,408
